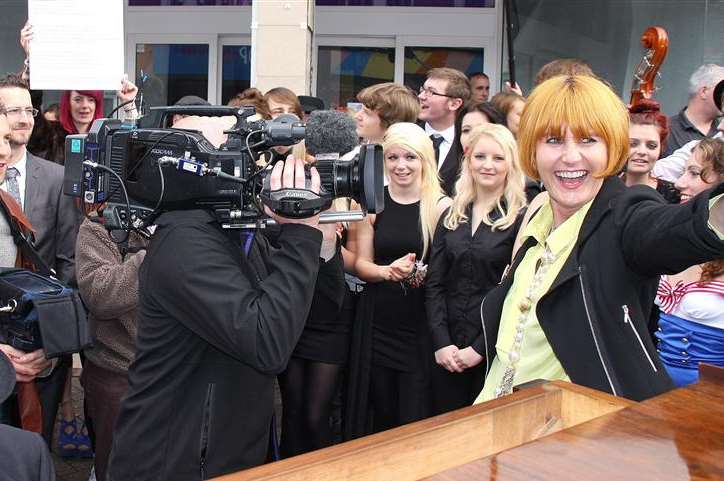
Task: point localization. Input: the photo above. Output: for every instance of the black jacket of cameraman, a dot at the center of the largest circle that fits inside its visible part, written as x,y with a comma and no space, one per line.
216,325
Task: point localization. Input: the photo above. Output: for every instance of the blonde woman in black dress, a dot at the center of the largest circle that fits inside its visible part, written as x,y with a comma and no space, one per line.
391,353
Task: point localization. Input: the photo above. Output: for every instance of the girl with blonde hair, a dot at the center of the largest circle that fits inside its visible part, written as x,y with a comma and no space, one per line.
390,355
471,248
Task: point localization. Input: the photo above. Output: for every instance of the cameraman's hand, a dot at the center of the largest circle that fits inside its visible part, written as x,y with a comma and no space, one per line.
27,364
290,175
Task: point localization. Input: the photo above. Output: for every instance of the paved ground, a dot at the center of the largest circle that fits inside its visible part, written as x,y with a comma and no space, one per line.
70,469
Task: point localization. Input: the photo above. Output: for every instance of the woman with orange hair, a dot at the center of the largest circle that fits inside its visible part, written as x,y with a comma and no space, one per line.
575,302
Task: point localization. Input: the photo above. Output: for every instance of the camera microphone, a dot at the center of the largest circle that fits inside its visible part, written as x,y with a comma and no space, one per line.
330,132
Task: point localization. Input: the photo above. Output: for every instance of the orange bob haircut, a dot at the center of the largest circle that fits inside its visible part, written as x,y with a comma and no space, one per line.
582,103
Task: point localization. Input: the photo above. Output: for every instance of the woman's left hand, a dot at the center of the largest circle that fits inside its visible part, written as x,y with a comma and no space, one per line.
467,358
127,91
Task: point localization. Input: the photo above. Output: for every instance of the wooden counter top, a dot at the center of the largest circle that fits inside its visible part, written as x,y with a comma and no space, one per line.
676,436
550,432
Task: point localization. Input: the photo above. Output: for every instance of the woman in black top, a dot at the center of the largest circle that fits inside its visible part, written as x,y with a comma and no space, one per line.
471,249
391,354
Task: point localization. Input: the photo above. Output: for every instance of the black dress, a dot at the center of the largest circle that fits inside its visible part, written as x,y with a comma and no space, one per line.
390,331
464,266
326,334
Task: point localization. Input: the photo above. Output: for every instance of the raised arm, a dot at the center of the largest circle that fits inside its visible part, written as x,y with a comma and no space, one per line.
680,235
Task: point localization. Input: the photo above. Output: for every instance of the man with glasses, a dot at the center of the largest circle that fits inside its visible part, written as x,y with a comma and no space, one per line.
37,186
441,98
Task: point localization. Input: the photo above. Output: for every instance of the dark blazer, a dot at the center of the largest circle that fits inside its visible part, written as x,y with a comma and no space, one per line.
595,313
24,456
450,169
215,328
54,216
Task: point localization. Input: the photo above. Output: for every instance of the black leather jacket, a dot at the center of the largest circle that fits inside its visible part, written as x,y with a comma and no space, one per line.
595,313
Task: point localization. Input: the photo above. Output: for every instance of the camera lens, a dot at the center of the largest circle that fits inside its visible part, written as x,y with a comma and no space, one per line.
360,178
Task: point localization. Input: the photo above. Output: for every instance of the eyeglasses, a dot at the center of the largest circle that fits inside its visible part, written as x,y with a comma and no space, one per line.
429,91
18,111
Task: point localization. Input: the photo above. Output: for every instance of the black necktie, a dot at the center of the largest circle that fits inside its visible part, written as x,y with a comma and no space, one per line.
437,139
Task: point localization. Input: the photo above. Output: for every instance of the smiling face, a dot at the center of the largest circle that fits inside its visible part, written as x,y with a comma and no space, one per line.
567,166
21,123
369,125
437,109
692,182
469,122
403,167
644,148
82,110
488,166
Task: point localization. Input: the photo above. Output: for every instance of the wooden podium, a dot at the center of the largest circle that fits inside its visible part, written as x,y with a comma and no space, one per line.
553,431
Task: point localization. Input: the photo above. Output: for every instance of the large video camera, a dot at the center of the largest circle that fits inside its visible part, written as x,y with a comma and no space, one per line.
141,172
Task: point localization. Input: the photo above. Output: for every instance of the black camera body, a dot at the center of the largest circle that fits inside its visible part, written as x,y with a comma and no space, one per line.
139,173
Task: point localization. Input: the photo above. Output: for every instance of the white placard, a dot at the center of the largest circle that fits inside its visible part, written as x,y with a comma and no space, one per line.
77,44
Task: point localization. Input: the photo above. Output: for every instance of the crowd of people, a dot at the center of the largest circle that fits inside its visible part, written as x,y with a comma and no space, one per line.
560,236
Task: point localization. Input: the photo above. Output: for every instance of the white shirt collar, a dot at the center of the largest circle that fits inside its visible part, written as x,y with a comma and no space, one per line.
22,166
448,134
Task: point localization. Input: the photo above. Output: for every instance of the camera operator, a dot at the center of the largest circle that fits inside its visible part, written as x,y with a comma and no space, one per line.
220,314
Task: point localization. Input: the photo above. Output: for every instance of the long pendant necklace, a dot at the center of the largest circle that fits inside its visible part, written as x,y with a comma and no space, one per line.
526,311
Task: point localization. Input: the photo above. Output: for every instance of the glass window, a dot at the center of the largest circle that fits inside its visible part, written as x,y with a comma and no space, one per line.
344,71
410,3
235,70
174,3
167,72
418,60
606,34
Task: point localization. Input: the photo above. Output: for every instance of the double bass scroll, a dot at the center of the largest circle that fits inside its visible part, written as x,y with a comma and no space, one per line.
656,42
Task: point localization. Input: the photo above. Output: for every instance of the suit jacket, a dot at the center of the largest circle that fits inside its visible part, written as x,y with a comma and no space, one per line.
54,216
24,456
450,168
